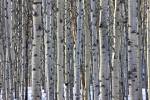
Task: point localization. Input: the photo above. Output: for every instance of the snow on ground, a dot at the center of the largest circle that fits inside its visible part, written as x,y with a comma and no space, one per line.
143,93
44,94
29,94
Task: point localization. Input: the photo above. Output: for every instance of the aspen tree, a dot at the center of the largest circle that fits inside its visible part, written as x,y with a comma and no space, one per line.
133,58
94,50
140,33
1,50
125,50
68,51
9,93
60,49
87,34
115,54
4,49
148,48
24,55
49,51
104,53
74,32
36,63
77,69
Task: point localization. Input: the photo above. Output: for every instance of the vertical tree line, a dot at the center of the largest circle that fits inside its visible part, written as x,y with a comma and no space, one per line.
75,49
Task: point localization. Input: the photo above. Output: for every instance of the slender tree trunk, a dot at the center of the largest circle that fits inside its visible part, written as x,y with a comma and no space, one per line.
148,48
60,50
36,63
133,56
95,50
104,52
49,51
87,49
116,70
77,69
68,52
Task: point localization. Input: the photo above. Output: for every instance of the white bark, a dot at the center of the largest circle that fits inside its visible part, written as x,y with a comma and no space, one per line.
95,50
116,71
104,53
133,51
148,48
36,63
77,69
60,50
68,52
49,51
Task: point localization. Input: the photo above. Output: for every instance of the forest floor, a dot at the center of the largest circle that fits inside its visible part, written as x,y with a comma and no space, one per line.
44,94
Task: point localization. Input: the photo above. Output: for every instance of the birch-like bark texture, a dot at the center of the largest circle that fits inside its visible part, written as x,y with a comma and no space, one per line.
60,49
133,60
148,48
87,34
24,70
104,52
9,94
49,51
94,50
77,82
36,63
68,52
115,54
124,52
140,33
74,49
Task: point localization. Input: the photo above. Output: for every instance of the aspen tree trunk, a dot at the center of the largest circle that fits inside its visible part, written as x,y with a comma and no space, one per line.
104,53
49,51
140,34
1,50
68,52
125,50
9,93
77,69
74,32
148,48
13,51
60,51
24,50
133,51
95,50
87,34
43,15
110,26
54,36
4,49
144,47
36,63
27,46
115,54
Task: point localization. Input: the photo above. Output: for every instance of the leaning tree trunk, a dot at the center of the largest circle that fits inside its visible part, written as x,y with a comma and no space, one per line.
36,46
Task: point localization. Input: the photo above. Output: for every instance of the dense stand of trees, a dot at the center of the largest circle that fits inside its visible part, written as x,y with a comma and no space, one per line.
75,49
